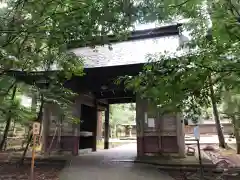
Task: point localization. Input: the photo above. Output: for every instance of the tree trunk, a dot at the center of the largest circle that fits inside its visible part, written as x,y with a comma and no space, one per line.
26,148
216,115
8,121
238,141
13,128
236,132
9,89
39,118
116,133
28,134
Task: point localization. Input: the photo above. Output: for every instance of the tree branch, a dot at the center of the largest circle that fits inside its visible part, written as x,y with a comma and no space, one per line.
234,8
179,5
9,88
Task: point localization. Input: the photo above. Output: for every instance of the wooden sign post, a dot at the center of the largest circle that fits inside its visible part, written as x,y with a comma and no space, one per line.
35,131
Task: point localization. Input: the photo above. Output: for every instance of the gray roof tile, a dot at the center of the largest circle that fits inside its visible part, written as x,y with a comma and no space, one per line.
123,53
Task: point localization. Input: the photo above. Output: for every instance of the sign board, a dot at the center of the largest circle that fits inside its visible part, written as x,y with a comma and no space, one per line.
196,132
151,122
36,128
169,123
146,117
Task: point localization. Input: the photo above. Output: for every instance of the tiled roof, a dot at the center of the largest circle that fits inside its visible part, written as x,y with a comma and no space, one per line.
130,52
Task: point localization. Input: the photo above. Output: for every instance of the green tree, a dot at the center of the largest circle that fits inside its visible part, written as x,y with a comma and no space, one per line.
231,104
35,36
231,108
195,77
121,114
13,112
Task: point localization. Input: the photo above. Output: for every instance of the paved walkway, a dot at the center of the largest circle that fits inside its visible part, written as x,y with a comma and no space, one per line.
106,165
210,139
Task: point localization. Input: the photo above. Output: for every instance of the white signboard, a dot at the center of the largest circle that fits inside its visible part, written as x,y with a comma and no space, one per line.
145,117
36,128
151,122
196,132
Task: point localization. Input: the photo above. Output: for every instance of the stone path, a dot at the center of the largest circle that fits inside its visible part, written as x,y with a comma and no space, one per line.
108,164
209,139
224,158
221,158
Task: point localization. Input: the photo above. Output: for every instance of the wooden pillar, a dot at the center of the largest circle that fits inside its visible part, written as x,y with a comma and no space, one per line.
75,137
180,135
45,127
130,131
94,140
106,129
99,126
76,127
140,119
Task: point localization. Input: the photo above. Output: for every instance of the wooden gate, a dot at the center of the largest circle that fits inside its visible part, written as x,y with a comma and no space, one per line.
157,134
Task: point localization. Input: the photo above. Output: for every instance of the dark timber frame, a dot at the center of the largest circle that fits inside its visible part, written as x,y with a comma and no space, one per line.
106,128
99,83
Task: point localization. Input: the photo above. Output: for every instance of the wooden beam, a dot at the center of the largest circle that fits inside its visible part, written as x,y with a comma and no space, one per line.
103,101
114,94
122,100
101,108
95,78
87,99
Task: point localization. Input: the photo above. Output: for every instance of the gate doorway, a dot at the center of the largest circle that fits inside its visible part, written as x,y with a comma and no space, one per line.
87,139
122,124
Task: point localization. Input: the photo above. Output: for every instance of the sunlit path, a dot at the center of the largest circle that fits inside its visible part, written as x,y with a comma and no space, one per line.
106,164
